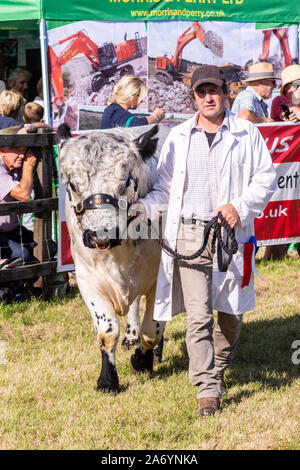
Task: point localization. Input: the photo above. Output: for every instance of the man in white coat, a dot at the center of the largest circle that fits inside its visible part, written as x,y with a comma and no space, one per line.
212,162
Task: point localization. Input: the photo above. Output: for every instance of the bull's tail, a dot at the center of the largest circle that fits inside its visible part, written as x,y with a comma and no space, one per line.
62,135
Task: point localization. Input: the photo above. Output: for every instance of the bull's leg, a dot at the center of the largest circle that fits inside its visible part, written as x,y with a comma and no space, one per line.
158,350
107,330
131,337
150,334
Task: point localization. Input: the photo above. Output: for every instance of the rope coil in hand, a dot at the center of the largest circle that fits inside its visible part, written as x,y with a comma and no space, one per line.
229,246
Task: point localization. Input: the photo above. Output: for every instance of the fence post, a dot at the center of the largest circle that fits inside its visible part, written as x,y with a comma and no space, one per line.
43,221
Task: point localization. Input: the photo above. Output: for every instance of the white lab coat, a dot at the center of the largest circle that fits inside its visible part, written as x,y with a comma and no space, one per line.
247,182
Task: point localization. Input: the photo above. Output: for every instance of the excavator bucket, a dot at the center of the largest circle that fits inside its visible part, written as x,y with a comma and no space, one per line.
214,43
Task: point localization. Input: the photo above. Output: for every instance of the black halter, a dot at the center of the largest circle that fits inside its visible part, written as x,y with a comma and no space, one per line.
96,201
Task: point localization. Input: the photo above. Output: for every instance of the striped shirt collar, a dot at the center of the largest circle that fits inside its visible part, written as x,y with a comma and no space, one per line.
224,126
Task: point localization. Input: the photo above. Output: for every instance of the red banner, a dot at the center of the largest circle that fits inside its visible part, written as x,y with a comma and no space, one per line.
280,221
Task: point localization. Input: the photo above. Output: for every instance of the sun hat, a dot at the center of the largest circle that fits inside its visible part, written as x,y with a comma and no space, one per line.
289,74
207,74
260,71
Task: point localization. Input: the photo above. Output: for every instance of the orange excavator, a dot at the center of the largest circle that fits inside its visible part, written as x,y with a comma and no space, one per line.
172,69
106,61
283,38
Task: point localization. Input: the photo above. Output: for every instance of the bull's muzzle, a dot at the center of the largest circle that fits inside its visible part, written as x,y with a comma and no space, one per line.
103,242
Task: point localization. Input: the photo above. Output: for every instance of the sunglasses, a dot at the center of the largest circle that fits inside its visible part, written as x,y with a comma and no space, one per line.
296,84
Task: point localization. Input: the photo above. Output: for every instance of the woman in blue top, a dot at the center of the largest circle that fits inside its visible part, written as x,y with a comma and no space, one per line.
128,93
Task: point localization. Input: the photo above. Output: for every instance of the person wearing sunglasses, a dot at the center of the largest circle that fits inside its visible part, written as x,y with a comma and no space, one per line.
289,96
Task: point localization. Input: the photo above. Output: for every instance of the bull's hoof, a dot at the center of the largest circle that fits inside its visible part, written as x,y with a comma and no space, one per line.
140,362
107,389
157,358
108,380
128,343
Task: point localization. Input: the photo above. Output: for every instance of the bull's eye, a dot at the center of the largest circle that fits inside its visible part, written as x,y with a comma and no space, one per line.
128,182
73,187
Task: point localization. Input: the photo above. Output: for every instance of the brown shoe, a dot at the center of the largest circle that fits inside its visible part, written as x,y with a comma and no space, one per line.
223,385
208,406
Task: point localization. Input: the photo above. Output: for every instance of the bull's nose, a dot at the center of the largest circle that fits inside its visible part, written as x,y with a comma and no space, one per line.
92,240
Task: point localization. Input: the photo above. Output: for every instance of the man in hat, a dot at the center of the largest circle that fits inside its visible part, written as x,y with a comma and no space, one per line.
250,103
213,162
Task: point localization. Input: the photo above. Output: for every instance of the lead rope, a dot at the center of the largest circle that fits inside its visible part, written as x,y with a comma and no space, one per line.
230,247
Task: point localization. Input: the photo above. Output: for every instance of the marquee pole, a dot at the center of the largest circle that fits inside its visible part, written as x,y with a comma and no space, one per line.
44,62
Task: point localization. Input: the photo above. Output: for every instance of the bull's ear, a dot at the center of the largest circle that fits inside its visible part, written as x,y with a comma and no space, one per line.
146,144
63,133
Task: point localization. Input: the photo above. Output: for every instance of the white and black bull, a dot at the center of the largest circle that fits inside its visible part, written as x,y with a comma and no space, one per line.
105,172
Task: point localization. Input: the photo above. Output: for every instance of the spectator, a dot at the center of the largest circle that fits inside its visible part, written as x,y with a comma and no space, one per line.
33,117
16,179
33,112
289,95
18,80
11,103
250,103
128,93
40,96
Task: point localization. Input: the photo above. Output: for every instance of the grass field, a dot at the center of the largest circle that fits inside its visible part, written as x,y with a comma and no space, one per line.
50,362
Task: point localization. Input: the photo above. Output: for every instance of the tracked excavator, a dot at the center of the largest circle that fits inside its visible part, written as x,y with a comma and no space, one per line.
106,61
168,70
283,38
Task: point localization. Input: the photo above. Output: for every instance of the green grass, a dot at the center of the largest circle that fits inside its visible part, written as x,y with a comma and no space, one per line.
50,363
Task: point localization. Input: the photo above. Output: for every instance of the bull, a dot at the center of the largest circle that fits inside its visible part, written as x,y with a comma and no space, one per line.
105,173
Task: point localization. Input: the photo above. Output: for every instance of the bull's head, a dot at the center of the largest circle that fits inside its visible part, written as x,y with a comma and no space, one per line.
105,172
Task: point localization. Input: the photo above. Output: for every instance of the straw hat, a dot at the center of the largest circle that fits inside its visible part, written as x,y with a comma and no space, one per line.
289,74
260,71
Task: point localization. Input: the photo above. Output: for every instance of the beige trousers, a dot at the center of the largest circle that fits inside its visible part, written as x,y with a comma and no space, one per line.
210,348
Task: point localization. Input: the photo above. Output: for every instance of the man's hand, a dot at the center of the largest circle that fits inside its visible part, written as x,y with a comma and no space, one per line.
230,214
138,210
30,159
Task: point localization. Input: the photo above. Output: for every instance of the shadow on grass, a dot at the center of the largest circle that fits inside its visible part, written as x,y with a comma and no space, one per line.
264,356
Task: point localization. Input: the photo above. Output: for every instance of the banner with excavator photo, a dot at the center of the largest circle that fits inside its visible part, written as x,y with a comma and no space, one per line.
87,58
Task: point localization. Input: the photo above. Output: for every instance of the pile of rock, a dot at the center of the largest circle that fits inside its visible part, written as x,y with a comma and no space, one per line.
174,98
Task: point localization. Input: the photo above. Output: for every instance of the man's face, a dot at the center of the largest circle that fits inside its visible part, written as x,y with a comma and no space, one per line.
21,84
266,87
13,156
210,101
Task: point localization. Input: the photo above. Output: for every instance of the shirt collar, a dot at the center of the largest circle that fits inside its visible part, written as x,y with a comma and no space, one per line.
249,88
224,126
